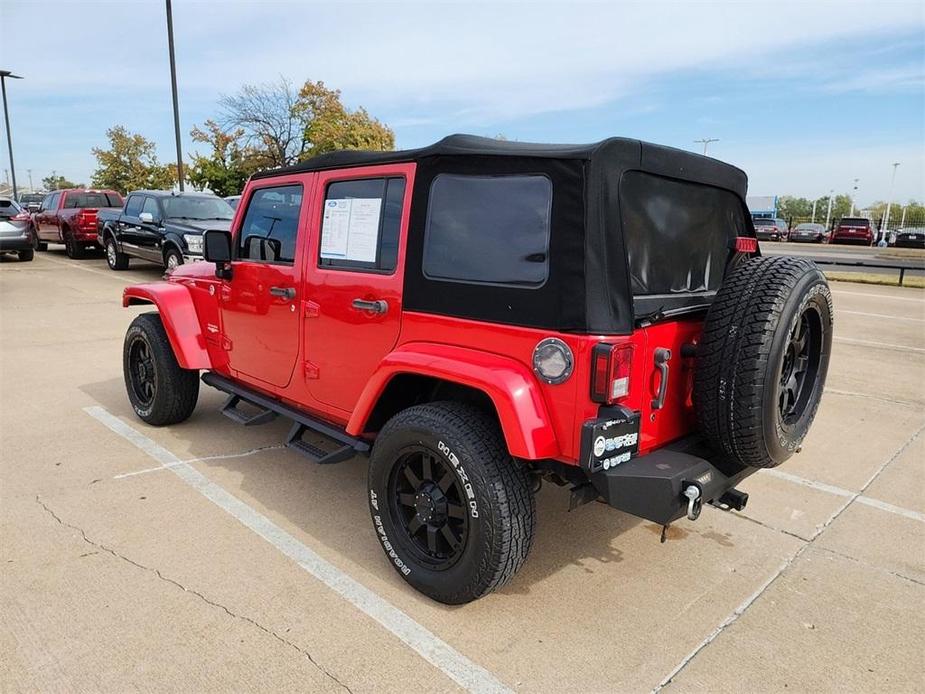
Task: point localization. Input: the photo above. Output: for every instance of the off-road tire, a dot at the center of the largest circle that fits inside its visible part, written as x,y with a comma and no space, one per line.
26,255
114,259
72,249
175,389
749,339
501,515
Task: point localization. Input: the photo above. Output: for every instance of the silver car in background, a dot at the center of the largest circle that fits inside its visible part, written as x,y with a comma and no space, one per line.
17,234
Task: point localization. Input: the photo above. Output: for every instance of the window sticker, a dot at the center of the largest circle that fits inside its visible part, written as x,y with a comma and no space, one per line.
350,229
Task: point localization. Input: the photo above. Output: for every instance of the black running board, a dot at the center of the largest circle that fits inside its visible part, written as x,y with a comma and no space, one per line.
268,408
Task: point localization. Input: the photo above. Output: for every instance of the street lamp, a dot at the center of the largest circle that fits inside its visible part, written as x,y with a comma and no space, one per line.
889,201
706,141
173,87
854,195
828,215
6,116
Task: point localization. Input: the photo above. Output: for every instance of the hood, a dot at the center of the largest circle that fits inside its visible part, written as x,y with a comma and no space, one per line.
197,226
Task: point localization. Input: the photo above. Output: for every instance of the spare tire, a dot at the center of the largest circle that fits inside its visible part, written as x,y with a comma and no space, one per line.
762,359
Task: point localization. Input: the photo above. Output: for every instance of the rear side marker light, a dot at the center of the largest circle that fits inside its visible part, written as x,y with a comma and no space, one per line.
610,372
746,244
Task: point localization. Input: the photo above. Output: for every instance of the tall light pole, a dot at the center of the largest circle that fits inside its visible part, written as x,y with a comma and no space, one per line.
889,200
31,187
828,215
902,224
6,117
814,211
173,87
706,141
854,195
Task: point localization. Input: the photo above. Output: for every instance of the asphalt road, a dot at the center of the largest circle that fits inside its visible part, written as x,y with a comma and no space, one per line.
844,258
202,557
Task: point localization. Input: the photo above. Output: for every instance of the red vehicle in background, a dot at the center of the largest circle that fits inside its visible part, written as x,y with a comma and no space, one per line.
69,217
854,230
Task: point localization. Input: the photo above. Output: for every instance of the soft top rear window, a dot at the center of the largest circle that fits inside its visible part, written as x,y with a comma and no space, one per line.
677,233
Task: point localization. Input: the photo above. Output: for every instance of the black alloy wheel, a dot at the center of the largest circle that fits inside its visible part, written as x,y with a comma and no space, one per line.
142,370
800,366
429,502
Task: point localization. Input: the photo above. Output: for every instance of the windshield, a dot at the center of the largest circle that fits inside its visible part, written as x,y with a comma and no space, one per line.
73,200
184,207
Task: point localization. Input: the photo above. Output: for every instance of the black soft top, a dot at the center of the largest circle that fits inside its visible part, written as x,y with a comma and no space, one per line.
638,231
614,152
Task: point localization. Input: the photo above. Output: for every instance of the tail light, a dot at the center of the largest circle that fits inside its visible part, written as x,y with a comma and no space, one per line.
86,220
610,372
746,244
21,217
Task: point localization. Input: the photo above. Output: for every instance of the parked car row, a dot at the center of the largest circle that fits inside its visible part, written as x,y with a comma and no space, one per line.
855,230
159,226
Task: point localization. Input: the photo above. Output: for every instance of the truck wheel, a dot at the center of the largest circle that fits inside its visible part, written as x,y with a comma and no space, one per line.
72,249
172,259
453,511
763,358
115,260
26,255
38,245
161,392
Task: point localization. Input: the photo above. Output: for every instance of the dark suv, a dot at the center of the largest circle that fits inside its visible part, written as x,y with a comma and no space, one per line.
480,316
161,226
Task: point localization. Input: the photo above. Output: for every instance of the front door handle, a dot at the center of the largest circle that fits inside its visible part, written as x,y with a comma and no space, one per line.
662,356
377,306
283,292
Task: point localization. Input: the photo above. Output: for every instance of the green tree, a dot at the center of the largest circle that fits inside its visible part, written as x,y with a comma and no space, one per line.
131,163
790,207
228,165
282,126
58,182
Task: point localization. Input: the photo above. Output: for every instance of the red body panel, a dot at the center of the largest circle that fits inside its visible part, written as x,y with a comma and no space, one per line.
178,313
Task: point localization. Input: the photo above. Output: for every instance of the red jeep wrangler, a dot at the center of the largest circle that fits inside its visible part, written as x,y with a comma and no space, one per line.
478,316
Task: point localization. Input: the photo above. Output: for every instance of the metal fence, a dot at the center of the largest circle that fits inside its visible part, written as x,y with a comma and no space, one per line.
896,221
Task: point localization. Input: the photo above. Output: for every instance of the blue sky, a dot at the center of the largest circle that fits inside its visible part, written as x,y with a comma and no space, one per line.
805,96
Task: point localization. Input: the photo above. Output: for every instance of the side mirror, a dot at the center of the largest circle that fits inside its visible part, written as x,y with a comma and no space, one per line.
216,248
146,217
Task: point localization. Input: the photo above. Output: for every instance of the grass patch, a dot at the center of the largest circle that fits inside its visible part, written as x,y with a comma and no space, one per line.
890,280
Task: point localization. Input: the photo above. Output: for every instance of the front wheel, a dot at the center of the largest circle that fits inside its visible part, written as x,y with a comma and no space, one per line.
452,509
160,390
172,259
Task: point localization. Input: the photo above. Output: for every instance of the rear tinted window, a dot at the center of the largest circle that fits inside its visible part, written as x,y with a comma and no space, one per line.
72,200
764,222
8,208
488,229
677,233
855,222
133,206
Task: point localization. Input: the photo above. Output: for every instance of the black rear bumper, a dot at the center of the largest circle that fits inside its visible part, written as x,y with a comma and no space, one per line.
15,243
652,486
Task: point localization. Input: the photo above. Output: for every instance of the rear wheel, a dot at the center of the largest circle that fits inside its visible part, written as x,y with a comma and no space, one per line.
72,249
160,390
26,255
38,245
452,509
763,358
115,259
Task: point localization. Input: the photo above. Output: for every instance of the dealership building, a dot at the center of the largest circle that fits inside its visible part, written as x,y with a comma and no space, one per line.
762,206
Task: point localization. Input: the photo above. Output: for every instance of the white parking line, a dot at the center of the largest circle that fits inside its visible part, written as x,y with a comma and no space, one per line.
434,650
880,315
884,345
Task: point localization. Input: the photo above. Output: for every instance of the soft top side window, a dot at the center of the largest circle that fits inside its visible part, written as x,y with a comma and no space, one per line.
360,224
271,224
489,229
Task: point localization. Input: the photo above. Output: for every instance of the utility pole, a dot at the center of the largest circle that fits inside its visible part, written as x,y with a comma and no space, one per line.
6,117
31,187
814,211
889,201
706,141
54,178
828,215
854,195
902,224
173,87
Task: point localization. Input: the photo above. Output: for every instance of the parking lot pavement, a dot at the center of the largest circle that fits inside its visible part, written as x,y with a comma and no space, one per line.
240,566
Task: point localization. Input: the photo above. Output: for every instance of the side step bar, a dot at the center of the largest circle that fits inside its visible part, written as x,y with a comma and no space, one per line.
269,408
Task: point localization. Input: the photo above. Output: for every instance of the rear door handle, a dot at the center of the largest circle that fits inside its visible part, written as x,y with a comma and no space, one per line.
283,292
377,306
662,356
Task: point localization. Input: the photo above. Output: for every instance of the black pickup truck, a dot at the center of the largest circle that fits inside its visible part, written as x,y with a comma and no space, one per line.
161,226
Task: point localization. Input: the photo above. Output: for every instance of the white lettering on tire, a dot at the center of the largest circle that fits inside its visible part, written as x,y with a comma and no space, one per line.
463,477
